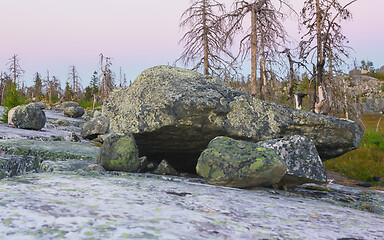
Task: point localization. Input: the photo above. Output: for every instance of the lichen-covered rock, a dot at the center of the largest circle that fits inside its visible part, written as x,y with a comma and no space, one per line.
119,153
303,162
174,113
28,117
16,165
235,163
73,112
164,168
95,127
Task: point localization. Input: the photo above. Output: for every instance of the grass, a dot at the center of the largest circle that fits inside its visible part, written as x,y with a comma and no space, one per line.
368,160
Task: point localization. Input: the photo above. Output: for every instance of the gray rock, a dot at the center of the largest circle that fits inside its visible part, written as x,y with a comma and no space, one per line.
74,112
186,110
15,165
96,126
164,168
303,162
28,117
119,153
354,72
40,105
381,70
69,104
235,163
61,122
73,137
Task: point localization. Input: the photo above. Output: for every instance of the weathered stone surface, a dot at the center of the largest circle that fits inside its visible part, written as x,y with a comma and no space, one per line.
96,126
49,150
303,162
131,206
74,112
174,113
29,117
164,168
235,163
73,137
15,165
119,153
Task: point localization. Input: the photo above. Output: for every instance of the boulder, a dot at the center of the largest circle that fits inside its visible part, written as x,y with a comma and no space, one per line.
40,105
381,70
354,72
236,163
61,122
119,153
73,137
164,168
95,127
69,104
303,162
174,113
73,112
28,117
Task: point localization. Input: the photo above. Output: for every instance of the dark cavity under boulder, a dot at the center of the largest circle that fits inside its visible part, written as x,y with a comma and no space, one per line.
174,113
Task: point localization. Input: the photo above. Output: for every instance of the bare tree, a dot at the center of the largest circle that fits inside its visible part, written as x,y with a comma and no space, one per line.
107,78
265,35
324,40
74,77
15,69
204,41
38,86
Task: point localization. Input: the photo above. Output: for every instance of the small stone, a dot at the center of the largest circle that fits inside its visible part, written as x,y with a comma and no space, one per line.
376,178
95,168
73,137
164,168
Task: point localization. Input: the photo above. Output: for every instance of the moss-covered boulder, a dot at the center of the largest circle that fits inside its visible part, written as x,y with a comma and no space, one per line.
28,117
174,113
119,153
234,163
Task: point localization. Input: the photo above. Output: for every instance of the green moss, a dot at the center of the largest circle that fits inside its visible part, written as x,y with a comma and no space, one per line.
203,169
256,165
217,174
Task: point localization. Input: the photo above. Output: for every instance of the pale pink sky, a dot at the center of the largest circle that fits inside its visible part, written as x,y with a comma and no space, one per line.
54,34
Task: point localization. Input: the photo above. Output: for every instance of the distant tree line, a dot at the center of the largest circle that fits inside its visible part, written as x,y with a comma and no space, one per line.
48,88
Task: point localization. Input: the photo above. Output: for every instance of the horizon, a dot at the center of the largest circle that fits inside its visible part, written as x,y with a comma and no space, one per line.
54,35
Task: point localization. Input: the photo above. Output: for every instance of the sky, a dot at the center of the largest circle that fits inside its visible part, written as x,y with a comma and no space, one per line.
56,34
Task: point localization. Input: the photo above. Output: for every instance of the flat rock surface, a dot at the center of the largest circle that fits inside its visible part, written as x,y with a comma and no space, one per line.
133,206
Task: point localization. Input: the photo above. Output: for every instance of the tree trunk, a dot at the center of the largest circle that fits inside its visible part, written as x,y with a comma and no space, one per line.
253,51
291,80
263,73
205,38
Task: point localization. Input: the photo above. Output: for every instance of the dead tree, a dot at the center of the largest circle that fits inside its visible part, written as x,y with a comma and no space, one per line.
74,77
107,78
321,19
262,39
204,42
15,70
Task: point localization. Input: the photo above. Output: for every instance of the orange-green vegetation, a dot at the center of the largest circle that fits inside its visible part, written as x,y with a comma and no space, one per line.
367,161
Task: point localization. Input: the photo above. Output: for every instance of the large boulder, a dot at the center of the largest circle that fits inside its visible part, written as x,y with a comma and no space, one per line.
119,153
73,112
381,70
236,163
95,127
303,162
28,117
11,112
174,113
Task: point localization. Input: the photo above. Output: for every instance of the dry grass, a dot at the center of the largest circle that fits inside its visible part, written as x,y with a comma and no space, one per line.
367,161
